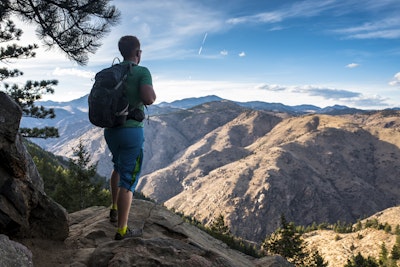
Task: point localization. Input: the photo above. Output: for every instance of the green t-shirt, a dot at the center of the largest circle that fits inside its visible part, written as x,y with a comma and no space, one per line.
138,76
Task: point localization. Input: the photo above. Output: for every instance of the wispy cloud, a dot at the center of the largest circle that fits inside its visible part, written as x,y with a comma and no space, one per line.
326,93
242,54
335,95
267,17
386,29
329,93
297,10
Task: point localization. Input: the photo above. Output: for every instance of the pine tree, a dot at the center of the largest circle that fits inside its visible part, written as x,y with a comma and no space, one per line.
218,226
81,174
286,242
75,188
315,260
397,230
395,253
387,228
358,226
24,96
360,261
75,27
383,255
79,190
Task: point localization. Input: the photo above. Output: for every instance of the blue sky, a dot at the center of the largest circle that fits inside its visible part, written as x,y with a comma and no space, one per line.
320,52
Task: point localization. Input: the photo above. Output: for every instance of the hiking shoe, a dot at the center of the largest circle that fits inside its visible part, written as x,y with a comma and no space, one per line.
113,215
129,234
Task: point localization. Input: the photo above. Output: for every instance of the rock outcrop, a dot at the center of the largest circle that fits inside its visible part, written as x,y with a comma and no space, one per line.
167,241
25,210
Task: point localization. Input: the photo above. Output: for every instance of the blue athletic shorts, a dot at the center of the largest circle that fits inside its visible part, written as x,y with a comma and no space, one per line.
126,146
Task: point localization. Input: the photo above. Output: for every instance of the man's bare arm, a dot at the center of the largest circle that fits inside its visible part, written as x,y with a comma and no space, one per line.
147,94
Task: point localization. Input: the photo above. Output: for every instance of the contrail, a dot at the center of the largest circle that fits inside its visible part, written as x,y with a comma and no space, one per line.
204,40
205,37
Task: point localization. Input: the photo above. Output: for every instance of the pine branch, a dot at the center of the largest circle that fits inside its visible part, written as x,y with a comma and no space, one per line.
75,27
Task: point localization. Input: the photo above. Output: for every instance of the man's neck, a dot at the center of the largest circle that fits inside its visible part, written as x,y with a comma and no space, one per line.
134,60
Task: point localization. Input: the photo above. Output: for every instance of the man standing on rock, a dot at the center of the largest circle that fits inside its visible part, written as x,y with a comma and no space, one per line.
126,142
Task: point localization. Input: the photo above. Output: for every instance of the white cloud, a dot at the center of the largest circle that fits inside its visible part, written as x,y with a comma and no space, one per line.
364,101
224,52
276,28
242,54
396,80
73,72
352,65
271,87
326,95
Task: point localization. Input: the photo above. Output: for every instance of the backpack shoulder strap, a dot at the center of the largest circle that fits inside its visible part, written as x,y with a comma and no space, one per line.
113,62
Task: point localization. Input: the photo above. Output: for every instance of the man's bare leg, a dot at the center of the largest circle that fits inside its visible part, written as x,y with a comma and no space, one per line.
114,188
124,203
114,180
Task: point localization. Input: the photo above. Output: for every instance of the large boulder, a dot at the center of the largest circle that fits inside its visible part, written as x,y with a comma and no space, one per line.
25,209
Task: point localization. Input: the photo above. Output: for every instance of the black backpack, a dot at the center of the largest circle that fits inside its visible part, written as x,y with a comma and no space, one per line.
108,103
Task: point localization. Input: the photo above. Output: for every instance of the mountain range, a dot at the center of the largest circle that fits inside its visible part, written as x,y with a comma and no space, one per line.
253,162
73,124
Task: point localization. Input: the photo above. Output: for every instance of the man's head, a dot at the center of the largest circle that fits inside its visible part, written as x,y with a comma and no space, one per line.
129,46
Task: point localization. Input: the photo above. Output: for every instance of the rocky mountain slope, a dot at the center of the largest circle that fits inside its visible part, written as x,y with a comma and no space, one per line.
252,166
73,125
313,168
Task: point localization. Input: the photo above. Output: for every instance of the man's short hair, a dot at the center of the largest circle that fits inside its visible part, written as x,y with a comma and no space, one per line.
128,45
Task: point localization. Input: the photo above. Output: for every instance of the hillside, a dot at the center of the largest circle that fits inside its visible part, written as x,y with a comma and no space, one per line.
253,165
337,248
166,135
314,168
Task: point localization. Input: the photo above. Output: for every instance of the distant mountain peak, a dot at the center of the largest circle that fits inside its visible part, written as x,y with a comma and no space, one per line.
190,102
